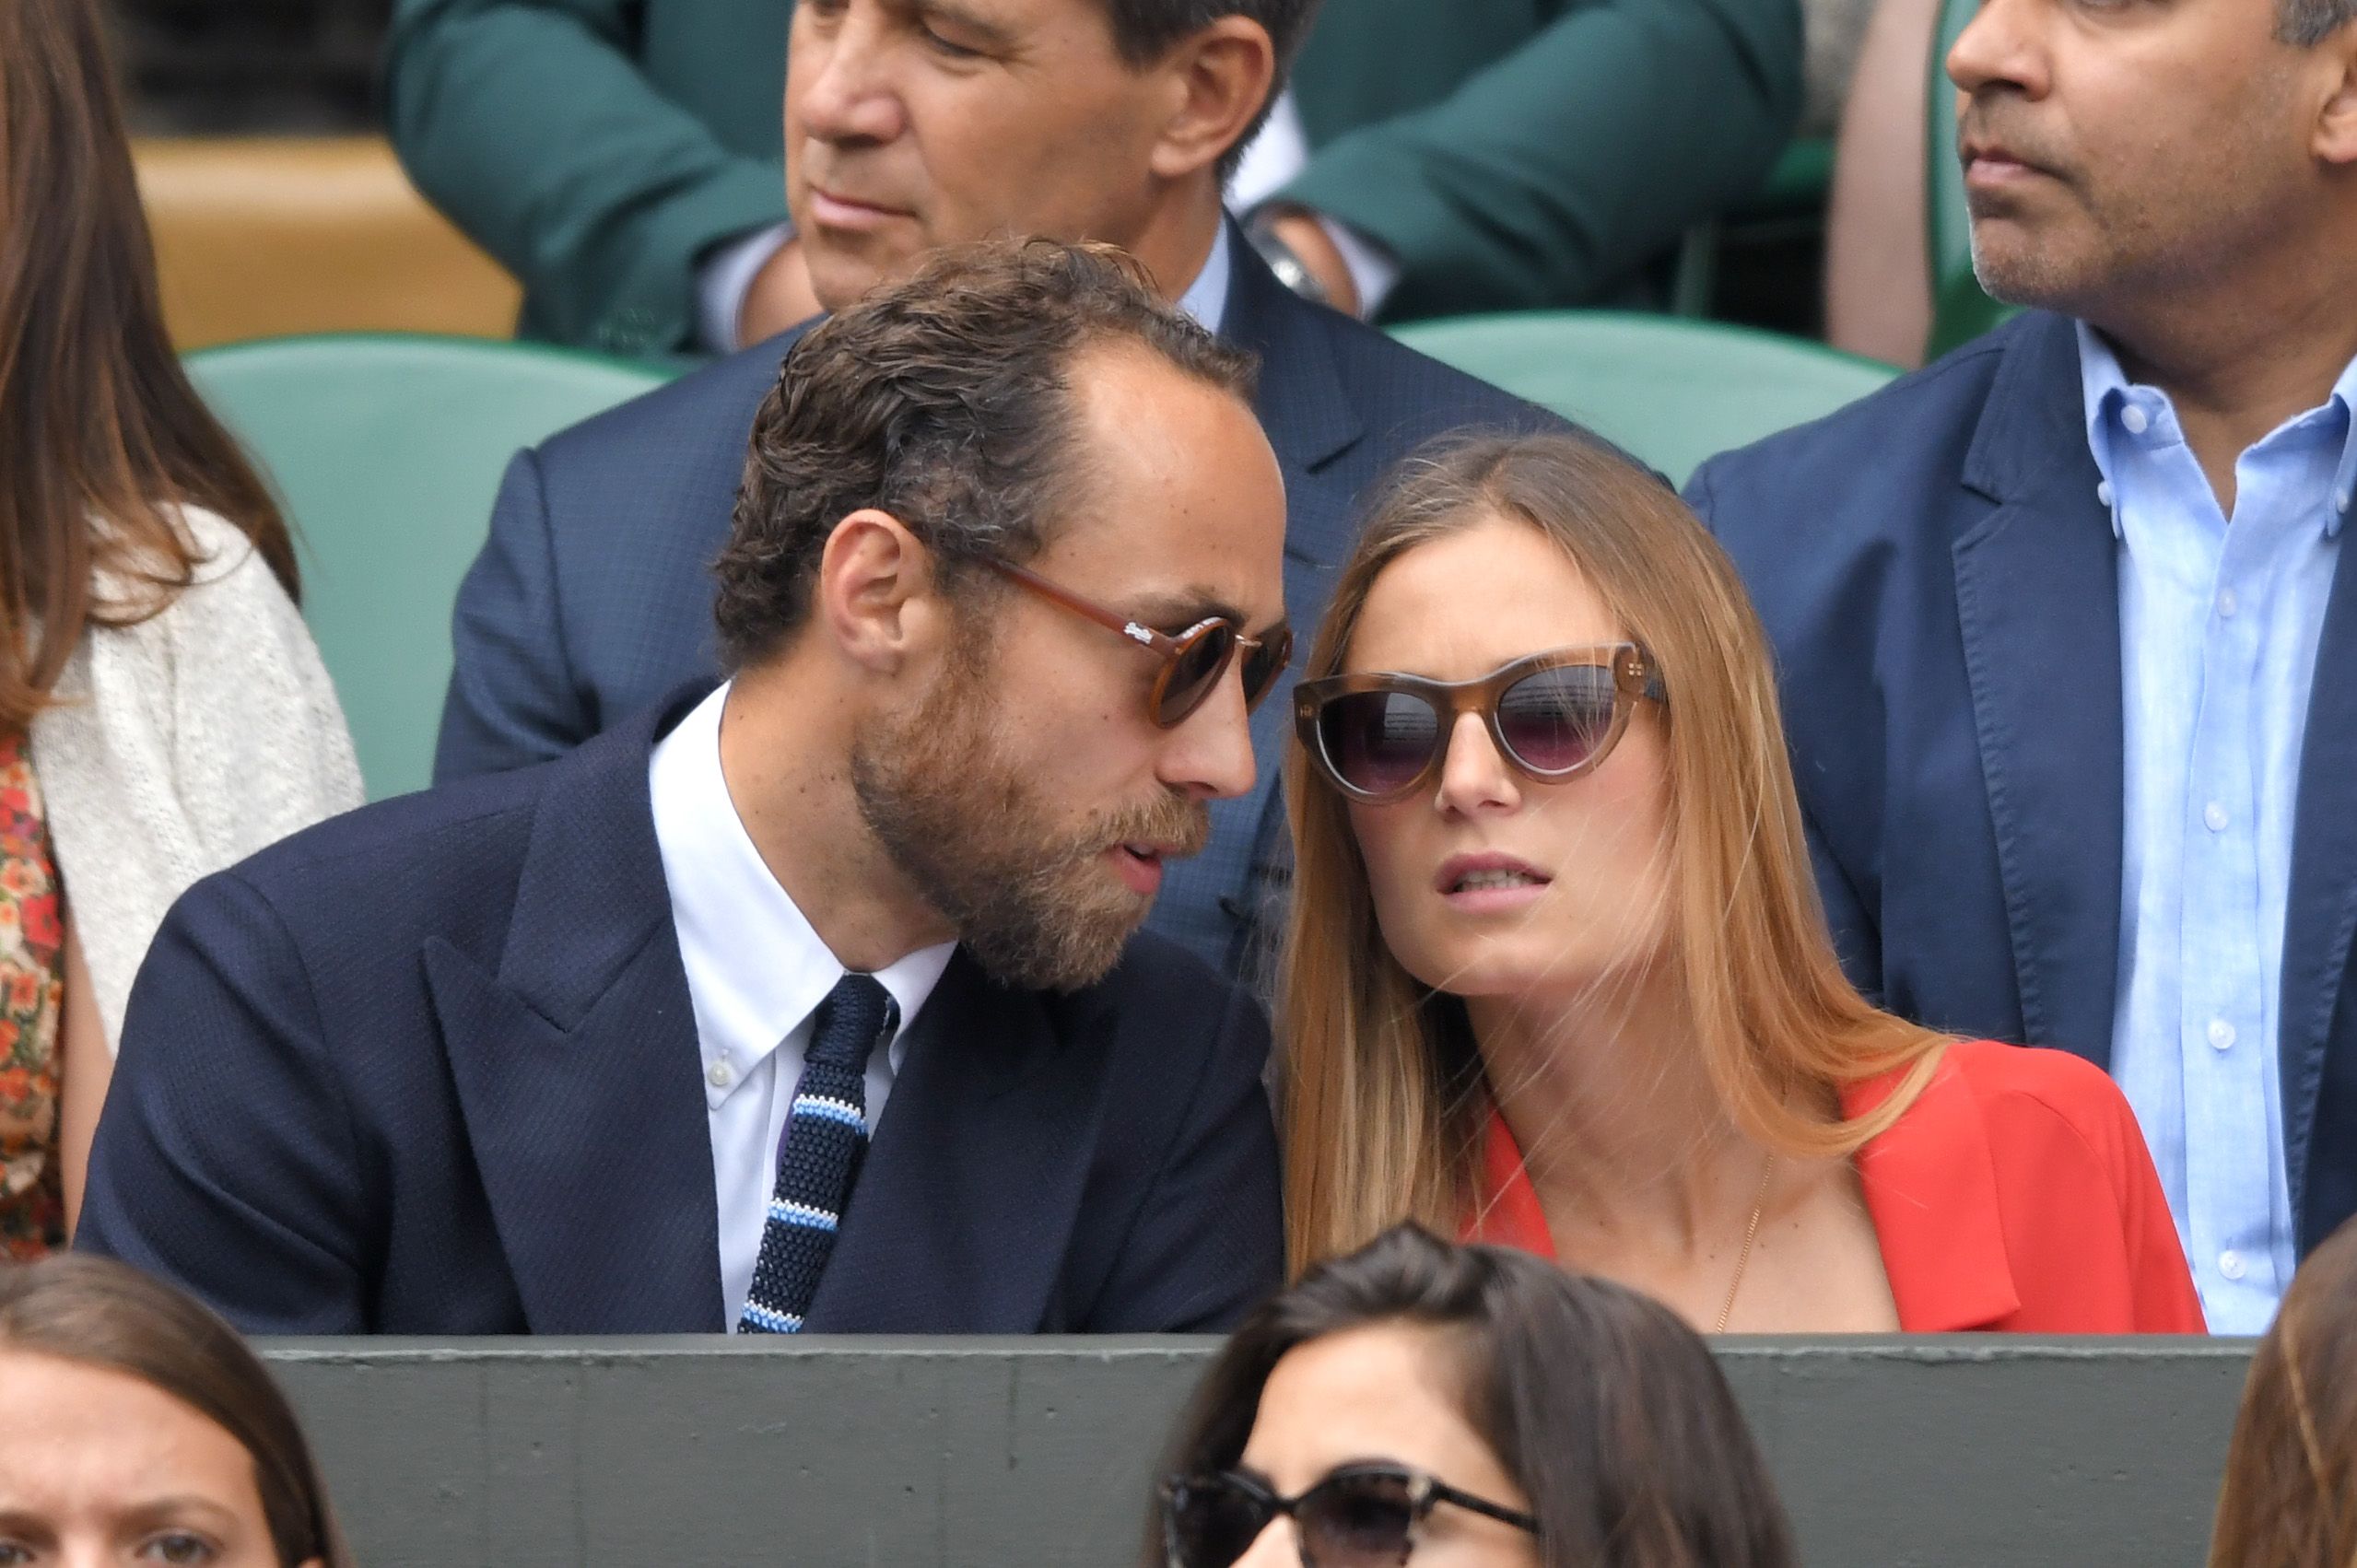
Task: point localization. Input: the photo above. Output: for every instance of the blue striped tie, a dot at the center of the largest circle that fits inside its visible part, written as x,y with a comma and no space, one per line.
819,1157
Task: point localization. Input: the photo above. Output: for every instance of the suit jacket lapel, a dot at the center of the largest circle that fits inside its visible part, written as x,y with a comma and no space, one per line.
1312,421
577,1068
1309,418
2320,909
965,1204
2038,600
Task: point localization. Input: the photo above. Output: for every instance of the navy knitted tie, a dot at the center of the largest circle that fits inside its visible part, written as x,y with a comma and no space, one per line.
819,1158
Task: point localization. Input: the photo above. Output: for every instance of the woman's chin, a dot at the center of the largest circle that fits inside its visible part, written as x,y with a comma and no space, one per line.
1537,974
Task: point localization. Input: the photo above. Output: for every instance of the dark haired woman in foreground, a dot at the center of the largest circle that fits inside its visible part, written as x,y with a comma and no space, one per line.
162,709
1464,1407
2290,1494
1557,973
139,1429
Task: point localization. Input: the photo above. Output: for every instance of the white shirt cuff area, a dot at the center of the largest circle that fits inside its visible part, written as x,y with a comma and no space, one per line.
1374,271
724,279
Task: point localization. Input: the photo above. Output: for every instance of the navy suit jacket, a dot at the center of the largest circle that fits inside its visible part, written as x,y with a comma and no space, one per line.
431,1068
1941,586
593,596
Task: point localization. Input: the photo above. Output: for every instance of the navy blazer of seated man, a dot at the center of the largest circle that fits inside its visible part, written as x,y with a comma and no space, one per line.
593,594
1940,582
449,1037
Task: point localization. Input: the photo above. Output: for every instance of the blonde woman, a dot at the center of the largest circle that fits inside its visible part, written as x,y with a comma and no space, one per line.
1556,975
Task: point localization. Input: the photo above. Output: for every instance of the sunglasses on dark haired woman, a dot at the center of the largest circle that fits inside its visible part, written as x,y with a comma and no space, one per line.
1358,1516
1380,737
1193,660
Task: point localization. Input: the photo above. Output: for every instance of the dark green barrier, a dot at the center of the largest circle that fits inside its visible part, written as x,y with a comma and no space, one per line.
1036,1453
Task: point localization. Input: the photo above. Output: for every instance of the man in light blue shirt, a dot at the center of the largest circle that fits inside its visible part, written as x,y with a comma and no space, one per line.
2068,660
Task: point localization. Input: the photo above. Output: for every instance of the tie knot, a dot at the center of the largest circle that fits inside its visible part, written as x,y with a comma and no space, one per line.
852,1022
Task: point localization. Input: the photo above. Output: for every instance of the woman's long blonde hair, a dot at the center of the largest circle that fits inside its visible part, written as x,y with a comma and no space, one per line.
1380,1083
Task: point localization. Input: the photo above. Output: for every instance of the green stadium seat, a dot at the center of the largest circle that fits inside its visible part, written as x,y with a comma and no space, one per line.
1960,310
1672,392
387,452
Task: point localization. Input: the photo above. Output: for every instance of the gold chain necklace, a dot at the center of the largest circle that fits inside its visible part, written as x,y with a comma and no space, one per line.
1743,1258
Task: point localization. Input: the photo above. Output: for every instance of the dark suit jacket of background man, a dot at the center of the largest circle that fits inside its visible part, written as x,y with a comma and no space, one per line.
1941,583
431,1068
593,596
1514,152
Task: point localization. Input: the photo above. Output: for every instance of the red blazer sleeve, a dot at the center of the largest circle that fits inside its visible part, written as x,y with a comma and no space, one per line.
2163,1299
2086,1224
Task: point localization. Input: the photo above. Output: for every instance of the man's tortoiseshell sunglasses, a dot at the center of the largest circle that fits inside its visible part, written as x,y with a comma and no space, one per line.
1192,662
1380,737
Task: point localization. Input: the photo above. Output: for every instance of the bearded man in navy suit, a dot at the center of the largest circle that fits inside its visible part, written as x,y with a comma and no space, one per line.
600,1045
908,127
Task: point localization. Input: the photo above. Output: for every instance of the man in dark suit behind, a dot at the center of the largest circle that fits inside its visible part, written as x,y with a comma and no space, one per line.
908,127
595,1047
2069,655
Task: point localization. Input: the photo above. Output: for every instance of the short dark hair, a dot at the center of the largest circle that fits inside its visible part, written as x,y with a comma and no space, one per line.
99,1313
945,400
2303,24
1605,1408
1144,31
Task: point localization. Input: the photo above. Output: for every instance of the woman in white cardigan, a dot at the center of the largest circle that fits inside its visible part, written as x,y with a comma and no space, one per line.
163,712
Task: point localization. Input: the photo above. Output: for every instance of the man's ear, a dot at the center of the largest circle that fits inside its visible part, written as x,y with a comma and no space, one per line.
2335,132
875,592
1219,79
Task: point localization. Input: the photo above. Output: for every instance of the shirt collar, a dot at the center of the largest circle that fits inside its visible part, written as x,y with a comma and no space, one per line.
2104,387
761,969
2344,479
1206,297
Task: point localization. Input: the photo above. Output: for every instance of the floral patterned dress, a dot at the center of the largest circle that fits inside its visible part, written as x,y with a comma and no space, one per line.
32,984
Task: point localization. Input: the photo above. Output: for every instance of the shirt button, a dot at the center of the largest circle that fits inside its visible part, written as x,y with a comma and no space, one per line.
2226,603
2222,1034
2340,503
2104,491
719,1075
2213,816
2134,417
2230,1264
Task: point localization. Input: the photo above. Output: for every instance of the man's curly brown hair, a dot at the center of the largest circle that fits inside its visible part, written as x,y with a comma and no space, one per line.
945,400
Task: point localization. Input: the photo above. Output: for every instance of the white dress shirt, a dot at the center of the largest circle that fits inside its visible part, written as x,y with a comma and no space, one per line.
755,973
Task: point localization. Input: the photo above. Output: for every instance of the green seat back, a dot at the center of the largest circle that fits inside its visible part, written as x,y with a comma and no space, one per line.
387,451
1671,390
1960,310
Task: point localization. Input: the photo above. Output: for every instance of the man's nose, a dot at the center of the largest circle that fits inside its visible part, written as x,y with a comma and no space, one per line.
850,95
1209,753
1995,49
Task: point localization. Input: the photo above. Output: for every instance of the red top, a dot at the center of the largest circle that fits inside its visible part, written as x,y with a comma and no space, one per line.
2015,1195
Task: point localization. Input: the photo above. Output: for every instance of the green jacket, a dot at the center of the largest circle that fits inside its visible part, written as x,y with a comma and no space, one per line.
1533,153
1524,153
599,148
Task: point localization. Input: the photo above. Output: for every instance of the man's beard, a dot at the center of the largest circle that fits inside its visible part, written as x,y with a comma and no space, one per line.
1035,904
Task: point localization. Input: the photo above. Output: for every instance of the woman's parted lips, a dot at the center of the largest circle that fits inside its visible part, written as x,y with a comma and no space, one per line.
1457,868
